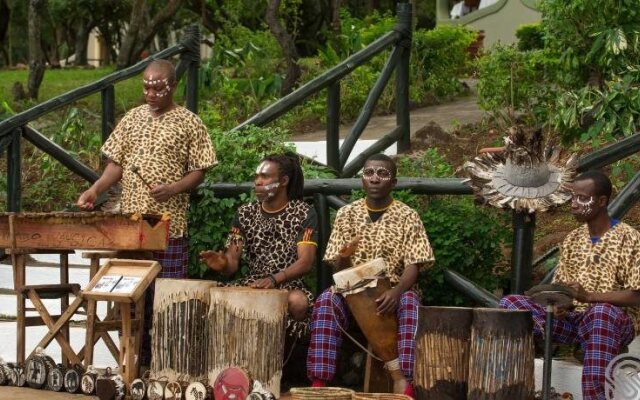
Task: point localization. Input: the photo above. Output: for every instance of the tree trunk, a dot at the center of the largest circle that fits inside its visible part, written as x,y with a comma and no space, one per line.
5,14
140,34
36,55
335,16
82,42
286,43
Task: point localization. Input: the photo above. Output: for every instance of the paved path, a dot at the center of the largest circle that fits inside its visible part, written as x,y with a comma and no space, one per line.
461,111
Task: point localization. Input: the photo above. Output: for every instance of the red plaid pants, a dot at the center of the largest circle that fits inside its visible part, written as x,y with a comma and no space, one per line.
602,330
326,336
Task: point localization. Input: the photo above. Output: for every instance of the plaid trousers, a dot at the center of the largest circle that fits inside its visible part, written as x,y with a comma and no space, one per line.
326,336
601,330
174,265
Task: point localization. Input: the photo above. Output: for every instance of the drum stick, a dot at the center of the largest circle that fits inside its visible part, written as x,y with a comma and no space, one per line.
136,170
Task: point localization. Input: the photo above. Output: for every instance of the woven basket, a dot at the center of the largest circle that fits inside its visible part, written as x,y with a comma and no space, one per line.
321,393
379,396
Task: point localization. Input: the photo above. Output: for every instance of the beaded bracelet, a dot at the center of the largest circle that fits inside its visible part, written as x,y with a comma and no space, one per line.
273,279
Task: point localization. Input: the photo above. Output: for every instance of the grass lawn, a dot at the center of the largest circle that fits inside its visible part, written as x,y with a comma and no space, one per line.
59,81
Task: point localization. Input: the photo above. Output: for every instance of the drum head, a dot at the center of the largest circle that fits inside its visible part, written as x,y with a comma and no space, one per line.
231,383
195,391
553,294
36,372
155,390
88,384
72,381
54,379
138,389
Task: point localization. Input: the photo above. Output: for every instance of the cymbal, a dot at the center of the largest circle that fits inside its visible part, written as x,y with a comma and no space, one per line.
551,294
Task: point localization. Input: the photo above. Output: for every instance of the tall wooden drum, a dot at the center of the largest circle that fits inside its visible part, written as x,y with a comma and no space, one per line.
180,329
443,340
247,330
502,355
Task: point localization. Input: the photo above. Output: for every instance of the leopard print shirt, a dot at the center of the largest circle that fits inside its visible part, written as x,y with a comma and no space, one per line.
270,244
611,264
164,149
398,236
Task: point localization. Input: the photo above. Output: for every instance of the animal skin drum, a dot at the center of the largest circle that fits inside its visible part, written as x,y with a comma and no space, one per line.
180,329
155,388
88,381
197,391
247,329
361,286
443,341
37,368
138,389
72,379
232,383
21,379
55,378
501,358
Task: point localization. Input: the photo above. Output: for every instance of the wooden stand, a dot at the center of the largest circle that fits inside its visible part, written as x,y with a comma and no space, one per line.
130,341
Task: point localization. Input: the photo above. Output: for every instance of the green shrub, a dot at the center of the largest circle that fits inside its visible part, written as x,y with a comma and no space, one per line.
440,58
530,37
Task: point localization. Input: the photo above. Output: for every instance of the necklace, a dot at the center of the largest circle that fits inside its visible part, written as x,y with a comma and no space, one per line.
274,211
385,208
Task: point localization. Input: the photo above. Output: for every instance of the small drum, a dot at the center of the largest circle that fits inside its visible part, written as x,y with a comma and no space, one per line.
12,375
247,329
232,383
501,358
198,391
37,368
180,329
361,286
88,381
55,378
72,379
321,393
138,389
110,386
5,375
155,388
260,393
443,340
20,377
174,391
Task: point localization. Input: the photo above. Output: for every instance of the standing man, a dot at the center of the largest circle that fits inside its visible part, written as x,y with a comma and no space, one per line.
601,261
278,237
159,151
376,226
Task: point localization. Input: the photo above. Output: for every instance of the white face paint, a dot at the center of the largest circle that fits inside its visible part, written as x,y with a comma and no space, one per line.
586,205
262,168
154,82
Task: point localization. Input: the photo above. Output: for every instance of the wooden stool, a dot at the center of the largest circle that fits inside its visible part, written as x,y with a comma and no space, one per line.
59,324
376,377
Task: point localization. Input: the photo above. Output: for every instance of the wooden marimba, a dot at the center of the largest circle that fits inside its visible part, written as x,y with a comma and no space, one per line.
61,233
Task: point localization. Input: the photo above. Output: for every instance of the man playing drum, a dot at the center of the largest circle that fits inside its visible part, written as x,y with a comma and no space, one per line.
277,235
601,261
375,227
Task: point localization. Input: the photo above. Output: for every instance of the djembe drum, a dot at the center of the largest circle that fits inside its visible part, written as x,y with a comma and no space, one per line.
361,286
443,340
502,355
247,329
180,328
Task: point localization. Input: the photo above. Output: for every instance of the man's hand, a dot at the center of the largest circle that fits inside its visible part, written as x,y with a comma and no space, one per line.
162,193
580,294
264,283
388,302
350,248
215,260
87,199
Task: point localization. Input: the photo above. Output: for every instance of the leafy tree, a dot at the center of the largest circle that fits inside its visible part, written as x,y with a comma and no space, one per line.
37,8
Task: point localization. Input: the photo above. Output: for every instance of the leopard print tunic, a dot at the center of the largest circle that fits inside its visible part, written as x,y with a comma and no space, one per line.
611,264
270,244
398,236
164,149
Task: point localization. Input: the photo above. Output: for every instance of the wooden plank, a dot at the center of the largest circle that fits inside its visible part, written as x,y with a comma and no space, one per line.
18,274
64,301
89,335
62,341
59,322
126,345
85,231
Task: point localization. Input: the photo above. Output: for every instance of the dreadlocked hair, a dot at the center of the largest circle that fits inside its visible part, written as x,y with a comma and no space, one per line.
289,165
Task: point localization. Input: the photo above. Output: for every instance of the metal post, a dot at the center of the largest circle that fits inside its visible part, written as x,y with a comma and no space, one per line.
14,172
108,111
324,228
193,56
333,126
521,258
402,77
